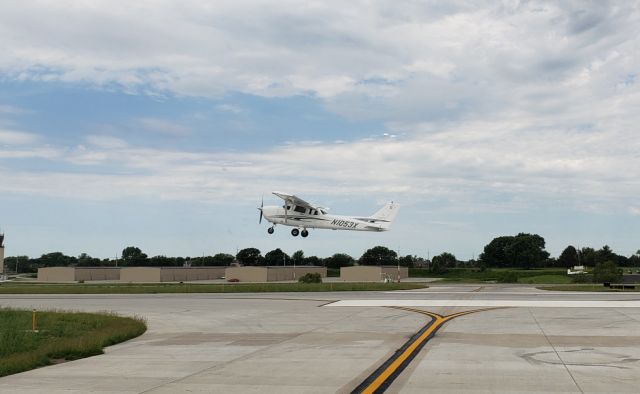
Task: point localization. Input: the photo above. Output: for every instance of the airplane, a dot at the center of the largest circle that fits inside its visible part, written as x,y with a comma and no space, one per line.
301,215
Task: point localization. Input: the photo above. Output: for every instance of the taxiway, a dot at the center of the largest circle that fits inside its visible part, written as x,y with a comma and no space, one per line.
533,341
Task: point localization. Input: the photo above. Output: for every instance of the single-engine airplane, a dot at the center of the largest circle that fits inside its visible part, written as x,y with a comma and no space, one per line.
301,216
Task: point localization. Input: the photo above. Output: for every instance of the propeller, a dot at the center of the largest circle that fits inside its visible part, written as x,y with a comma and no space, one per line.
260,209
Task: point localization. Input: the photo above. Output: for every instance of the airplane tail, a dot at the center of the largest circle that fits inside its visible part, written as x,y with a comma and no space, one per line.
387,214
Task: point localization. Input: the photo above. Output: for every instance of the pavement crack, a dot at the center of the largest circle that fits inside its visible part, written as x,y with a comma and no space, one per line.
555,351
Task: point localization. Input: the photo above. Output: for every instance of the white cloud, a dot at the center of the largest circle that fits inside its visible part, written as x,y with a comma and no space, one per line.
229,108
497,104
162,126
106,141
11,110
466,166
13,137
327,49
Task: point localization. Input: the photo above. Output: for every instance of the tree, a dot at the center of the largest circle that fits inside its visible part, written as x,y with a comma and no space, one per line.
84,260
569,257
249,256
21,264
523,250
222,259
276,257
407,261
527,251
312,260
494,253
339,260
444,260
587,256
607,272
378,255
605,254
297,257
133,256
437,266
56,259
161,261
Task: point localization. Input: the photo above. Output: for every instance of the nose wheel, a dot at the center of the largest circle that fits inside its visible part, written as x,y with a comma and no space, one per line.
270,230
304,233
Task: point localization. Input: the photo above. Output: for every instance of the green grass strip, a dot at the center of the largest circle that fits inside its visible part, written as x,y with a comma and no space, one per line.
59,336
154,288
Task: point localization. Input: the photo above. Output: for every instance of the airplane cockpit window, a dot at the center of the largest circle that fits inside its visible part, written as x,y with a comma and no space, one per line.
300,209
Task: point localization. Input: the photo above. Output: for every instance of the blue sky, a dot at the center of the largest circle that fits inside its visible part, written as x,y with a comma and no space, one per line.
164,131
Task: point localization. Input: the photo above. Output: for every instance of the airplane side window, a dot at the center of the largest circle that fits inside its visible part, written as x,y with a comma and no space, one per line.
300,209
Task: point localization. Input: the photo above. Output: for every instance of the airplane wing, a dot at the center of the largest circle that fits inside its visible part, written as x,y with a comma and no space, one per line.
294,200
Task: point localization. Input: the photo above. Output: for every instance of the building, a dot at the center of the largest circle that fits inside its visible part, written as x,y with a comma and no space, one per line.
77,274
271,274
170,274
373,273
1,254
175,274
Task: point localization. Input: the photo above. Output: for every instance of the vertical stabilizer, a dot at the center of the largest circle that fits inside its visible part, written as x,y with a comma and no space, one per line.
387,214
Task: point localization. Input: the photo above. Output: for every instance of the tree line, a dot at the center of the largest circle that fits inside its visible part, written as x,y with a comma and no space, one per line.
522,251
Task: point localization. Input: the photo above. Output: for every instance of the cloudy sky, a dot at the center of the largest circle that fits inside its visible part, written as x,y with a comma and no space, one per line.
161,124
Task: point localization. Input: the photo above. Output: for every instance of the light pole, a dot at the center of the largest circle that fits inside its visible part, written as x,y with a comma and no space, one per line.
398,264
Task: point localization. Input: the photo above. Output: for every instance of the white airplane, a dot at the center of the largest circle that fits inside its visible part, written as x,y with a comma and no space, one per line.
301,215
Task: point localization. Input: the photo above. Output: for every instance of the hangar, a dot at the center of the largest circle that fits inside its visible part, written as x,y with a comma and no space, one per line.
129,274
272,274
368,273
72,274
242,274
170,274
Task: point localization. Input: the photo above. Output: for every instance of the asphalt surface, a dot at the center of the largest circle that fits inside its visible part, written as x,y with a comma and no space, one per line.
533,341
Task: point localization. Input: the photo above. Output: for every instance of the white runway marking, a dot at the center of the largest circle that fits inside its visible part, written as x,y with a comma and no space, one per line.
542,293
489,303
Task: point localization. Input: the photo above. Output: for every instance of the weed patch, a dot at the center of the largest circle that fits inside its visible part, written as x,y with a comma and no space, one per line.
59,336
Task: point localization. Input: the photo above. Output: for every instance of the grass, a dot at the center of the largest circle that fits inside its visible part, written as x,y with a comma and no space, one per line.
153,288
586,287
59,336
470,275
546,279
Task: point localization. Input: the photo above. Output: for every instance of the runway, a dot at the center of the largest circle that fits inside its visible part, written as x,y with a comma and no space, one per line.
334,342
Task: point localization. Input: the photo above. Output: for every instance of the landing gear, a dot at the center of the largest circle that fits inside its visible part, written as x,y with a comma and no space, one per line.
270,230
295,232
304,233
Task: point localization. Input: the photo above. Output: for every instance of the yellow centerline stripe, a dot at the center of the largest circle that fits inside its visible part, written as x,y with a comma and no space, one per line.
438,320
394,365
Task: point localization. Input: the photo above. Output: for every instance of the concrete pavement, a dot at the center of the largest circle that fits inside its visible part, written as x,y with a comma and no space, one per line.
290,342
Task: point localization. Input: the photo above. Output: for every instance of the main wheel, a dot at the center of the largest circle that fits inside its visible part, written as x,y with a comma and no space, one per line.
304,233
270,230
295,232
